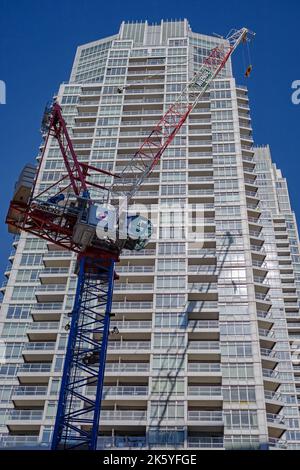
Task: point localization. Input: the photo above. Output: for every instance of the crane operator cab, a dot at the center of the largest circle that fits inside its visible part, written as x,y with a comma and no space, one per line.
97,225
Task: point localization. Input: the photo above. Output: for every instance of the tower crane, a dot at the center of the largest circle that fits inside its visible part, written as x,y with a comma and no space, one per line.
66,214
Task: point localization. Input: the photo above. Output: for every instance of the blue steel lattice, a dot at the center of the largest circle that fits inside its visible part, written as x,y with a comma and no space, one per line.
78,412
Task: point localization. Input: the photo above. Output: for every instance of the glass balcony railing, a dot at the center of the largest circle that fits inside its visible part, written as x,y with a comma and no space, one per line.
54,271
203,367
8,441
205,442
146,252
30,390
136,390
134,324
268,352
58,254
204,345
276,419
266,333
207,391
106,442
36,367
134,345
51,288
48,306
123,415
127,367
25,415
133,286
269,395
205,416
49,346
44,325
136,269
271,373
203,324
132,305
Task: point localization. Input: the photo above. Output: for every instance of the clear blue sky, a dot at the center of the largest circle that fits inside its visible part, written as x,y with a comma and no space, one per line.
38,39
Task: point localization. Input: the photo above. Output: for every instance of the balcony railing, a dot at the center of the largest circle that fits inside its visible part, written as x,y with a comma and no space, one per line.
204,345
203,367
39,346
269,395
129,345
203,324
133,286
123,415
136,269
51,325
48,306
106,442
272,374
25,415
276,419
30,390
127,367
134,324
54,271
205,442
132,305
18,441
268,352
136,390
204,391
205,416
58,254
37,367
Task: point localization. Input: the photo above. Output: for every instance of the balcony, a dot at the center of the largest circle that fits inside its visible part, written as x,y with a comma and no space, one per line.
129,345
29,420
135,269
133,287
132,325
276,425
46,331
51,292
32,396
34,368
39,351
49,275
137,416
127,367
121,442
203,442
146,252
205,395
209,350
205,418
134,391
205,368
271,378
47,311
57,259
127,306
274,401
19,442
203,324
269,354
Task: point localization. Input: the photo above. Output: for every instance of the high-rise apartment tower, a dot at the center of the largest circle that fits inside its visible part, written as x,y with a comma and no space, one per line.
204,350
